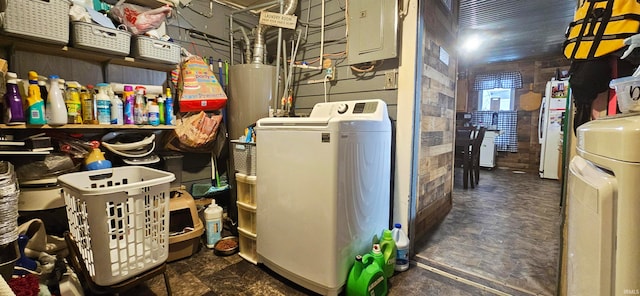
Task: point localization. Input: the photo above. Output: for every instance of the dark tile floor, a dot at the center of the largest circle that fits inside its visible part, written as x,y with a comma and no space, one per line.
505,233
500,239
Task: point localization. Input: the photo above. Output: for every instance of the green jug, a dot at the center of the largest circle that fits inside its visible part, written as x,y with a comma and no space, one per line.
366,278
389,252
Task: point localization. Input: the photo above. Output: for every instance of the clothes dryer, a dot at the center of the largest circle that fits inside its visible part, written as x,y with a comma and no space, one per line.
603,200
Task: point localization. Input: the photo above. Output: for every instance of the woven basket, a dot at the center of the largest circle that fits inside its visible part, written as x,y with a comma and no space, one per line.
40,20
155,50
99,38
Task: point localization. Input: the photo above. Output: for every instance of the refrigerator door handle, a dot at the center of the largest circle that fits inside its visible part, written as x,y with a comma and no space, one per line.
541,120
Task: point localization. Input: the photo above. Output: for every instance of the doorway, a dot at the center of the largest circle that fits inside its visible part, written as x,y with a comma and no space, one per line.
504,234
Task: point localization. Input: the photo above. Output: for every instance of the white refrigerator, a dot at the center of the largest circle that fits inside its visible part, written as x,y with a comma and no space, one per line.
552,108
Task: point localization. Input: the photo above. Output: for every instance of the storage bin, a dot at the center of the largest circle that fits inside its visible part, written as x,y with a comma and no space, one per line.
246,189
40,20
247,217
119,218
248,246
155,50
99,38
244,157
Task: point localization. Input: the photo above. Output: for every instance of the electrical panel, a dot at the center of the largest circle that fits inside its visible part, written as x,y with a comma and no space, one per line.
373,30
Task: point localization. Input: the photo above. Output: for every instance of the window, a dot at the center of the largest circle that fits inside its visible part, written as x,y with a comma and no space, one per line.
496,99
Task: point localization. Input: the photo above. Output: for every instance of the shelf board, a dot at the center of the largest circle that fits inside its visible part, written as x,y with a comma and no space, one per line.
3,152
76,53
153,3
87,126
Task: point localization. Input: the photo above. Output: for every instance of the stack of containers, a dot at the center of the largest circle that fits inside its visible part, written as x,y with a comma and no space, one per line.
244,155
9,193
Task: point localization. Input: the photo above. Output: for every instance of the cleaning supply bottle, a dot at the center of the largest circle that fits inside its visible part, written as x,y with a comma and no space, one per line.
55,110
139,117
213,223
402,244
13,101
154,114
95,159
129,100
87,100
42,85
73,103
35,111
161,110
117,110
103,104
389,251
168,104
366,278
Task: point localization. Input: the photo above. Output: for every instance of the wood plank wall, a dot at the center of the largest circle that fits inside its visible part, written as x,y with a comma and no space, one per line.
437,109
534,70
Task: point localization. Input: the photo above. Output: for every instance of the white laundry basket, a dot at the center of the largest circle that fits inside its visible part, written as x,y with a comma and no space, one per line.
119,219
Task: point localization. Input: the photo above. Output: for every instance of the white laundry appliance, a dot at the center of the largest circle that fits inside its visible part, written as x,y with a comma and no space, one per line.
603,200
323,191
552,109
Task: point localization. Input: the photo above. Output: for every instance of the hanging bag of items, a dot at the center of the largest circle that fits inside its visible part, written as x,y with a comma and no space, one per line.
196,133
198,88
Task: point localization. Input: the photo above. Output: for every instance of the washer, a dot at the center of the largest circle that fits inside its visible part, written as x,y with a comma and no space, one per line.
322,190
603,200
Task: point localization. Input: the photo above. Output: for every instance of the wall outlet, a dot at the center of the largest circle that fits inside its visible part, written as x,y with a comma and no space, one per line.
331,73
391,80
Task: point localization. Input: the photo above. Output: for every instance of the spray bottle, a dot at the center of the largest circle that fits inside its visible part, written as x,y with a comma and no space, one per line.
35,111
168,104
129,101
139,116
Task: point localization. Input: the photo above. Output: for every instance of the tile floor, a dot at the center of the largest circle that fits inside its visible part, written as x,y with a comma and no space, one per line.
500,239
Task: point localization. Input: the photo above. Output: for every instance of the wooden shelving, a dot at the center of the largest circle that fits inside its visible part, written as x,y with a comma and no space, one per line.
87,126
20,44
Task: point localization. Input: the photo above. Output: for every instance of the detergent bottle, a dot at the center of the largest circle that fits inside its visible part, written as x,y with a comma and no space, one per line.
389,251
213,223
366,278
13,101
378,258
55,111
35,111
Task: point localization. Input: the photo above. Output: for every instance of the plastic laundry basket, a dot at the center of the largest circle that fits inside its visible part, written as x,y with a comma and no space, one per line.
119,218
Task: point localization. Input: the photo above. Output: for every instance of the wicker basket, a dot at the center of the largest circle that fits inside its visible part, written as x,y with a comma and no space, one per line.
155,50
40,20
99,38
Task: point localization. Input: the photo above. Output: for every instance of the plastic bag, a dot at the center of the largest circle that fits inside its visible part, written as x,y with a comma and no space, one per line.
198,88
138,19
195,133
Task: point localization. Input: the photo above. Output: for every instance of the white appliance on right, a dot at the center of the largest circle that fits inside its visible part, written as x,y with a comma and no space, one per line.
603,214
552,108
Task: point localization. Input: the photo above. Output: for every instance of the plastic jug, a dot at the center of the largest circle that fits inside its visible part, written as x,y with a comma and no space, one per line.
55,110
366,278
213,223
402,244
389,252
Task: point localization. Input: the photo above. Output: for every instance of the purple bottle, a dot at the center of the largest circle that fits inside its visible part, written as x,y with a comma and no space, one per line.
129,101
14,110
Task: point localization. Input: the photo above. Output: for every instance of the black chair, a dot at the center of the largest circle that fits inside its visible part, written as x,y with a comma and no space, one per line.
475,156
77,263
462,155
